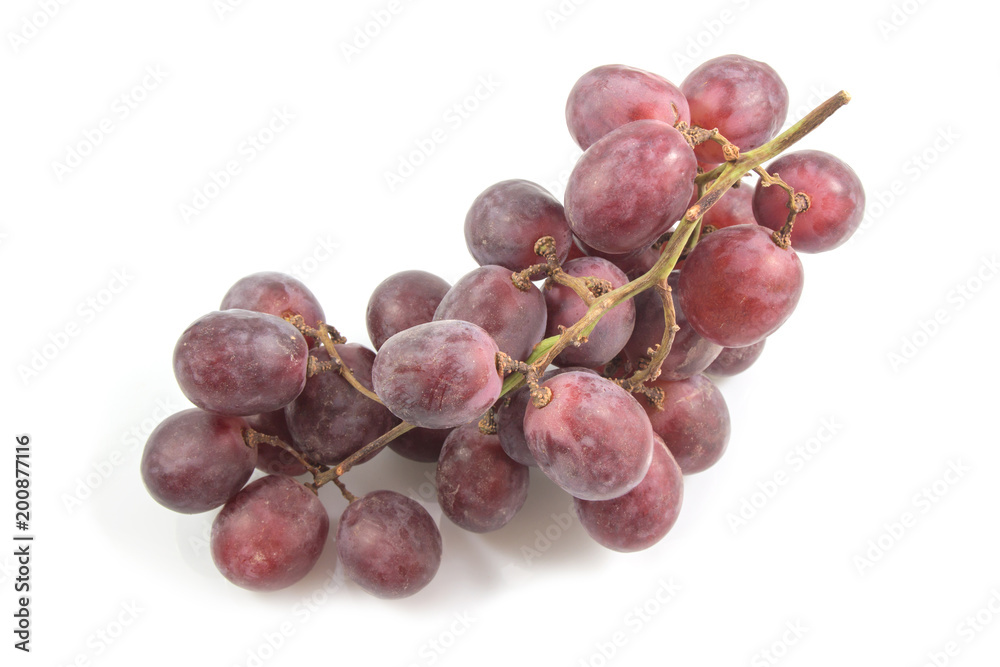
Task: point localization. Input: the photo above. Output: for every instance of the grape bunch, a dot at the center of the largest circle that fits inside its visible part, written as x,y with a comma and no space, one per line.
583,344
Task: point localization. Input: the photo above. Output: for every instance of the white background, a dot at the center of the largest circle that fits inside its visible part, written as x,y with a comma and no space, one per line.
105,553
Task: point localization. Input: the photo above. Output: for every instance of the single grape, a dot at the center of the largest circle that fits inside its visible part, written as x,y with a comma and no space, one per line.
837,200
689,354
734,208
388,544
487,297
276,294
510,418
401,301
330,419
421,444
643,516
565,308
609,96
745,99
737,286
479,487
694,422
630,187
272,459
735,360
439,374
239,362
194,461
270,534
507,218
593,439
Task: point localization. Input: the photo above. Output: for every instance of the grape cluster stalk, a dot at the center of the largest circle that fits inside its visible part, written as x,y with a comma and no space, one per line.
660,269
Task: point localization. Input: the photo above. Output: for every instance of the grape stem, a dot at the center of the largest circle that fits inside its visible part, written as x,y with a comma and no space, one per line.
720,180
587,289
649,372
331,338
254,438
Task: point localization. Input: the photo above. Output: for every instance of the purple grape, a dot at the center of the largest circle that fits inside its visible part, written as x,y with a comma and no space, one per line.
643,516
735,360
438,375
630,187
276,294
507,218
270,534
330,419
272,459
239,362
735,208
593,439
609,96
745,99
836,209
487,297
565,308
510,418
401,301
421,444
694,422
737,286
388,544
689,354
479,487
194,461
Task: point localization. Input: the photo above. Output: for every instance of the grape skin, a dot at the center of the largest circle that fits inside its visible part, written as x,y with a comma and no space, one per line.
737,286
609,96
479,487
272,459
565,308
838,200
330,419
388,544
643,516
401,301
694,422
276,294
593,439
421,444
270,535
438,375
630,187
745,99
735,360
194,461
239,362
734,208
486,296
507,218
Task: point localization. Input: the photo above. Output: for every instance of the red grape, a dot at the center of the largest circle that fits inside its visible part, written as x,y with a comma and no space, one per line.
734,208
401,301
735,360
388,544
421,444
737,286
272,459
276,294
239,362
270,534
694,422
